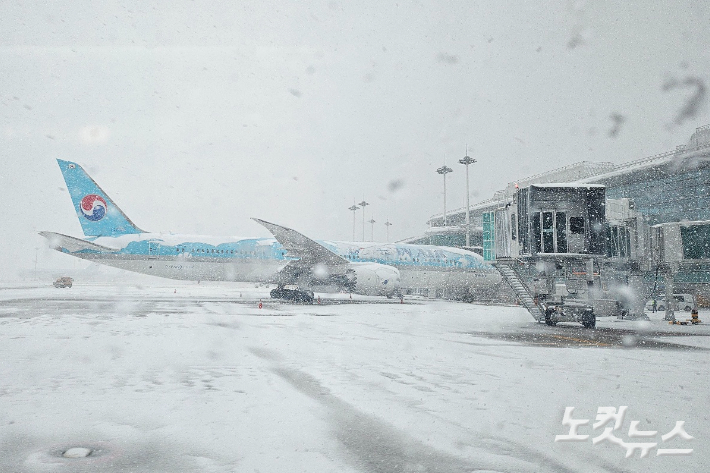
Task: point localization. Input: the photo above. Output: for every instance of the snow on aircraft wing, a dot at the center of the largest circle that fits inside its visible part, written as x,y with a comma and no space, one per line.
71,244
308,251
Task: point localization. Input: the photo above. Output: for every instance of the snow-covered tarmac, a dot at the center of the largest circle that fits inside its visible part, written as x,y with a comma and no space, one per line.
199,378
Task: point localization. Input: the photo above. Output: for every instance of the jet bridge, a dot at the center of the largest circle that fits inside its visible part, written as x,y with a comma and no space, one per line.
549,242
678,247
570,254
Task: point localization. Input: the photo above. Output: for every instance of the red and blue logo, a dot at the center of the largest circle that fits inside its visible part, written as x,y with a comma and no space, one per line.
93,207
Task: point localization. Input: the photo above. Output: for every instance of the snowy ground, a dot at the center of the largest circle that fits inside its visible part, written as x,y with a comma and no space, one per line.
198,378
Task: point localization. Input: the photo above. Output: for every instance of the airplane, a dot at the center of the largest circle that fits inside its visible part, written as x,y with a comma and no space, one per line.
296,264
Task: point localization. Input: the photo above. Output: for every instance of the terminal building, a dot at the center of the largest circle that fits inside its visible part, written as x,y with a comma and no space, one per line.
656,214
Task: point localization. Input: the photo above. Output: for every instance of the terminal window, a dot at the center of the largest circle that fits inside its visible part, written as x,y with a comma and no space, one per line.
576,225
696,241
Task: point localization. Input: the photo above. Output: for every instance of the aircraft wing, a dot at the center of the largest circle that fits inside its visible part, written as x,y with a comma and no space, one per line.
71,244
309,252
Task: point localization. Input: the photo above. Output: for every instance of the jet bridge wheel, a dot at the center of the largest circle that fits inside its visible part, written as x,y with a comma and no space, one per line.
548,317
589,320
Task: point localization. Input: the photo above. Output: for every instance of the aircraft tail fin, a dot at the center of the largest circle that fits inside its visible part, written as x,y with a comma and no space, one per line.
97,213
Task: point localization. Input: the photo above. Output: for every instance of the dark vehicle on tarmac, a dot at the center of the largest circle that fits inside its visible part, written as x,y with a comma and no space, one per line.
292,293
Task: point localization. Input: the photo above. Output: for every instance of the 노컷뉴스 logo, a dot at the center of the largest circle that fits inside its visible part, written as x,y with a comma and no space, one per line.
605,415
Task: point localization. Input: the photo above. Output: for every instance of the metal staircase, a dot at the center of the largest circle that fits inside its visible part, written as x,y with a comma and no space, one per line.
513,279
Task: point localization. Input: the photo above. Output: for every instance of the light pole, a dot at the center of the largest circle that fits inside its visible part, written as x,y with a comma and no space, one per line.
387,224
353,208
444,170
372,229
466,161
363,204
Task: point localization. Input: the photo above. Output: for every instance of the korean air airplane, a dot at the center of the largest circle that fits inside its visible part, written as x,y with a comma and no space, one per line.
293,262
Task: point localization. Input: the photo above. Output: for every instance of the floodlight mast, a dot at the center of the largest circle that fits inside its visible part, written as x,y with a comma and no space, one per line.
466,161
387,224
444,170
353,208
372,229
363,204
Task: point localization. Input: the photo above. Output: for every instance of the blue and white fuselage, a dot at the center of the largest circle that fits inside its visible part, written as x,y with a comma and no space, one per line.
262,259
290,258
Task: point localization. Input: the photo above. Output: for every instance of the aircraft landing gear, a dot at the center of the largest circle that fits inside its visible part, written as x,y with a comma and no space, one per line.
292,294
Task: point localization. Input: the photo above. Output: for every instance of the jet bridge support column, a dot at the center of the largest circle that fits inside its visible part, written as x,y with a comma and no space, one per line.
593,290
639,295
671,303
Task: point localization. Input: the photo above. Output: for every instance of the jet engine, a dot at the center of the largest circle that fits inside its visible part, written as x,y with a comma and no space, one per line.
373,279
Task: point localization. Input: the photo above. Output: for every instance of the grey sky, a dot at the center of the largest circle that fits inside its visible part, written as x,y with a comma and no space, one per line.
195,116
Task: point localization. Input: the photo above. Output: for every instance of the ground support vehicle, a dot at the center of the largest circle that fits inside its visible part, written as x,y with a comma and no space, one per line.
292,293
63,282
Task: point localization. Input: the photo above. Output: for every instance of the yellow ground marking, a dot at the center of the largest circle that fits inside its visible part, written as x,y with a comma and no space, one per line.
583,341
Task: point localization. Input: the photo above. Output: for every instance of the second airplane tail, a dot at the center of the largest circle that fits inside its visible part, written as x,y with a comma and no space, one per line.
97,213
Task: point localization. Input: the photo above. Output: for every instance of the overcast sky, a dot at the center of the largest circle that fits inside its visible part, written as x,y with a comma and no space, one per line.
195,116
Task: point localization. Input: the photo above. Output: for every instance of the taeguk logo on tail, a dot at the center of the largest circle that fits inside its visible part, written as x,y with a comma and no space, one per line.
93,207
